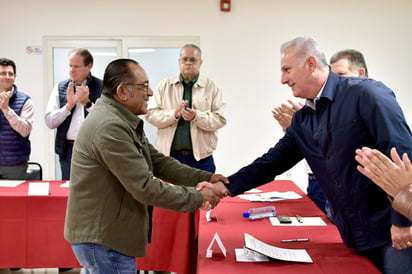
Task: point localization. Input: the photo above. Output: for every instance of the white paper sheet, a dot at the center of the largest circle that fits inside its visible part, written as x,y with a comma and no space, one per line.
39,189
270,196
306,221
10,183
66,184
209,251
245,255
283,254
253,190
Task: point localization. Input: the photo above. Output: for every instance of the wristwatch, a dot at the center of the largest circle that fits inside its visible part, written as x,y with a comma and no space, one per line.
88,104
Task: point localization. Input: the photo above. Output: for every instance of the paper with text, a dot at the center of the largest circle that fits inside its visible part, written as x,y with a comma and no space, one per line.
283,254
245,255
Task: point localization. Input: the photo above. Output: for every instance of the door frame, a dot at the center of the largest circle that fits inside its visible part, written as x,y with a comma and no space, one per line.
121,43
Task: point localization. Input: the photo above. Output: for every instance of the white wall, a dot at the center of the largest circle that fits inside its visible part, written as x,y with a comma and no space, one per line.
240,50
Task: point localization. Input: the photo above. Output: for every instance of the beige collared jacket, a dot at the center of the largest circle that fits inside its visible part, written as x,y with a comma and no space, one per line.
210,115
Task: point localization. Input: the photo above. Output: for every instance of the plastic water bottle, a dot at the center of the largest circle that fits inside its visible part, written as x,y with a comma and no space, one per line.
260,212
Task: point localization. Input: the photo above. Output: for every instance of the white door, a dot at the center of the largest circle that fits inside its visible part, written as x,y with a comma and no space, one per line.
157,55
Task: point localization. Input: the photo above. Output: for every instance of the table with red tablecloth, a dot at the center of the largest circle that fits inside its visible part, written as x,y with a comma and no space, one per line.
325,246
31,233
31,228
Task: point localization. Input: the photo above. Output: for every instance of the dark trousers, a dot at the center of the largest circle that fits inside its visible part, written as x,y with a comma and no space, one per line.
207,164
316,194
65,162
389,260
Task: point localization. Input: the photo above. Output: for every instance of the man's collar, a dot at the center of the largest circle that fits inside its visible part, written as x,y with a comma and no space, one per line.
193,81
312,102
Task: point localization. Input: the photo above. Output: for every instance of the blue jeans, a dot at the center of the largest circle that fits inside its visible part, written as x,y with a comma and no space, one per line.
315,192
207,164
98,259
389,260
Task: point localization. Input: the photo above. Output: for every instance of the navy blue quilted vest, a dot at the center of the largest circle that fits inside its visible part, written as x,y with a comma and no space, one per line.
14,149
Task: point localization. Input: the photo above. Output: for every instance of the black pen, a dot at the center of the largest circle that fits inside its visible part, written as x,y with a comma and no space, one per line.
295,240
299,219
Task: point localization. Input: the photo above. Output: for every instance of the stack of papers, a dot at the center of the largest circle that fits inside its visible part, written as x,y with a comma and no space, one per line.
270,196
283,254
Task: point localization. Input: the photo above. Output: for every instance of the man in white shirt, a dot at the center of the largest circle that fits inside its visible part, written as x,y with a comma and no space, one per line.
69,103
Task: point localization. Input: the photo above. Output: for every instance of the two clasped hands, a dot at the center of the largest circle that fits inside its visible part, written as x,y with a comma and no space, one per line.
213,191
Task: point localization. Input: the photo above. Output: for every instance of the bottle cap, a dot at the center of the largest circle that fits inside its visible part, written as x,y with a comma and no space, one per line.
246,214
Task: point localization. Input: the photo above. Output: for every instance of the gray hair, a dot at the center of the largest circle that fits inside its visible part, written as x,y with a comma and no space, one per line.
305,47
199,51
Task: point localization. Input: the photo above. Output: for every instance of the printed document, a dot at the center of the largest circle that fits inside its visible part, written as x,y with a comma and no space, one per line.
283,254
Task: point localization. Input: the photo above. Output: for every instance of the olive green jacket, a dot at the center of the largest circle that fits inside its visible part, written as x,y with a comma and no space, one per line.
115,174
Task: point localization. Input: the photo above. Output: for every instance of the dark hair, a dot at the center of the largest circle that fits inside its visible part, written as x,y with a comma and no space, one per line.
7,62
354,57
116,73
199,51
87,56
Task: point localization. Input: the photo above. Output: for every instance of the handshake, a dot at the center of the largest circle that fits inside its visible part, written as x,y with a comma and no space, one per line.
213,191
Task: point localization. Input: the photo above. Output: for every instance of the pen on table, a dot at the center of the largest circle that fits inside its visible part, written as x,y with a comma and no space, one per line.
295,240
299,219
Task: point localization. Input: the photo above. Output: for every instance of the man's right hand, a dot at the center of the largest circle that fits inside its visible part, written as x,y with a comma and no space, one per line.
70,97
179,108
219,188
210,195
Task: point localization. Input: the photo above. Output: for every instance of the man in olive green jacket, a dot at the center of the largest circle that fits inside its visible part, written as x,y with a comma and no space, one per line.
116,173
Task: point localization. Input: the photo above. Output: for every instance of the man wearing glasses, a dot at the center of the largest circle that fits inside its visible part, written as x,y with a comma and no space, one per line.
189,110
116,174
16,122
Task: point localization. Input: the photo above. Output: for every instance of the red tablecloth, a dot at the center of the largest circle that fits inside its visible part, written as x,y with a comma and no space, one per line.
31,233
174,244
31,228
325,246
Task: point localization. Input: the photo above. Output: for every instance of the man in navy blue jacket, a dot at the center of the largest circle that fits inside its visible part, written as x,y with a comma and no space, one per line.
341,114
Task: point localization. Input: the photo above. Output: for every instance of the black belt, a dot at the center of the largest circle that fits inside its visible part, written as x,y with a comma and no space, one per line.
70,142
311,176
182,152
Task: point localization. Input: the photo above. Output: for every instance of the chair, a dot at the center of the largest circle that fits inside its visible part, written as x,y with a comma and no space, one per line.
34,171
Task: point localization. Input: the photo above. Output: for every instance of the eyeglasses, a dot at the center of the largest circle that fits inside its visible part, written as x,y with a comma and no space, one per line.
188,59
5,73
145,86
